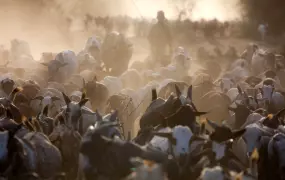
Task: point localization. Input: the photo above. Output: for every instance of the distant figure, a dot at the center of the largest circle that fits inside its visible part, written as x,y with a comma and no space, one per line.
262,29
160,40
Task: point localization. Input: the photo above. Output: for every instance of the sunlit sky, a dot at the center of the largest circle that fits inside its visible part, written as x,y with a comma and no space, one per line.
207,9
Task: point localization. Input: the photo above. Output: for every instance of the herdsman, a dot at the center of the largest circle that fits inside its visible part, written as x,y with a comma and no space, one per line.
160,40
262,29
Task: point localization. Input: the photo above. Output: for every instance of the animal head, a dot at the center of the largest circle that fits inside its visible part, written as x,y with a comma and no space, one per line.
185,115
267,92
178,140
253,134
47,100
223,133
274,120
226,84
7,85
73,110
181,58
109,119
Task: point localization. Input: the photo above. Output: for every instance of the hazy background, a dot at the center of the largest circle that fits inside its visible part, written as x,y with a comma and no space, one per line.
43,23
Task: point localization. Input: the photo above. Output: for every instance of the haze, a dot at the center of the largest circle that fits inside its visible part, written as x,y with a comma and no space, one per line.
43,23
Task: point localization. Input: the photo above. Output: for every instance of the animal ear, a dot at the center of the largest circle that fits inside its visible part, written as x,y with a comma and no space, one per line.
170,99
212,124
66,98
238,133
45,111
178,92
239,89
114,116
83,102
189,92
154,94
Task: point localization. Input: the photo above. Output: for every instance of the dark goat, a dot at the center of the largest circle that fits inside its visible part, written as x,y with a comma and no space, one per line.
110,157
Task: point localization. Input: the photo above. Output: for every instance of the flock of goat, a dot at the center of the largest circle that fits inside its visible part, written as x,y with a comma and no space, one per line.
89,116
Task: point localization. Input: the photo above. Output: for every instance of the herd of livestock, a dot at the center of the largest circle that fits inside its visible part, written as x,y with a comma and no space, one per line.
91,115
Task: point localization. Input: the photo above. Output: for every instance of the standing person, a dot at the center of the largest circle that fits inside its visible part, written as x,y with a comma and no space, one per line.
160,39
262,29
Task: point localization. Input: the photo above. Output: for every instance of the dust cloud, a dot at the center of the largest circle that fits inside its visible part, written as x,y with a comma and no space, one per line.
44,23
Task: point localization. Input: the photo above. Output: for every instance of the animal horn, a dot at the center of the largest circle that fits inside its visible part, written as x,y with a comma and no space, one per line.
178,92
212,124
83,102
66,98
154,94
114,116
